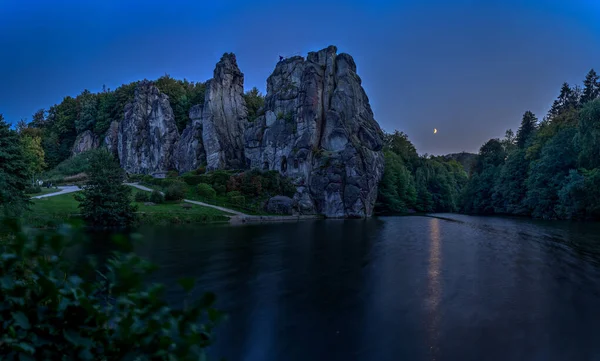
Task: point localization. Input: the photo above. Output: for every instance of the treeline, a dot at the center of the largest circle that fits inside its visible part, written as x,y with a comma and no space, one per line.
550,169
413,183
61,123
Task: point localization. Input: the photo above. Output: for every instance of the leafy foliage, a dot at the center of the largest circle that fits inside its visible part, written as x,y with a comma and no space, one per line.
108,313
105,201
254,103
206,191
175,192
424,184
554,170
157,197
142,196
13,171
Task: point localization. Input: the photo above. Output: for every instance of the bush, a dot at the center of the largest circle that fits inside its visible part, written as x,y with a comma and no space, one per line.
142,196
135,177
220,189
193,180
236,198
172,174
175,192
52,310
147,179
206,191
157,197
33,190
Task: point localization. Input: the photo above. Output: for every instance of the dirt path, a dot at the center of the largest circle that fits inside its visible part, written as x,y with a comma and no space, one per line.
63,190
223,209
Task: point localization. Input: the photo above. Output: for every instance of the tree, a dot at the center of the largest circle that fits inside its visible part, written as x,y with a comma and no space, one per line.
399,143
526,130
105,201
34,156
254,102
591,87
588,135
548,174
397,191
567,100
13,171
510,187
87,110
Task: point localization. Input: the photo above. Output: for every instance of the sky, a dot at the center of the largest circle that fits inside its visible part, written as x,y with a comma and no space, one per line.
469,68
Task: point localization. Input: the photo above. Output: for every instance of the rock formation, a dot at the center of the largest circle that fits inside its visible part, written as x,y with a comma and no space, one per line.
84,142
111,139
318,128
147,133
189,152
224,116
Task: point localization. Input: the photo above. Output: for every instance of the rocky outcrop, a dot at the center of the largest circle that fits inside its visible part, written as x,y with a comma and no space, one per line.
318,128
280,205
224,116
85,141
147,133
189,152
111,139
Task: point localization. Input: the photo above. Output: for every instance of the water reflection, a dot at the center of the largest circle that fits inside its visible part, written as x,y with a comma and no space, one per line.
434,287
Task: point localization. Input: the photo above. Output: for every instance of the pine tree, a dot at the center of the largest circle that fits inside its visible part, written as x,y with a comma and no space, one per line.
567,99
591,87
105,201
526,130
13,171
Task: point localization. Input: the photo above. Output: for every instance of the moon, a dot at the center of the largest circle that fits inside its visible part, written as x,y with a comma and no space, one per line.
434,130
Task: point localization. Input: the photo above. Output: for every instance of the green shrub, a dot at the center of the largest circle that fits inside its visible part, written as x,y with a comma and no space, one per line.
238,200
33,190
157,197
51,310
206,191
172,174
220,189
147,179
175,192
142,196
135,177
193,180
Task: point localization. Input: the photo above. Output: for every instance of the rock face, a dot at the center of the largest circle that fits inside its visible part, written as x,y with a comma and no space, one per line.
147,134
224,116
318,128
189,151
111,139
84,142
280,205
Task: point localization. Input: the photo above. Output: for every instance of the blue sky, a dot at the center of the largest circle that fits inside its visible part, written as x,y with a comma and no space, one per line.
469,68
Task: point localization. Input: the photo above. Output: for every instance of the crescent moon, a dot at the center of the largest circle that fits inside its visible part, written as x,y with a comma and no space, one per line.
434,130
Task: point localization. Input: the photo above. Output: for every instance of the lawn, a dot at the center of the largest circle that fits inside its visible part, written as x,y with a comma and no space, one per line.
52,211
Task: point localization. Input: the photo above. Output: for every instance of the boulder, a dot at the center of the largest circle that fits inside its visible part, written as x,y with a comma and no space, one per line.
148,134
85,141
280,205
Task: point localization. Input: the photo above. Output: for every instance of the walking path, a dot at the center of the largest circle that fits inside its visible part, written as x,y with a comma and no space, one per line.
63,190
236,218
223,209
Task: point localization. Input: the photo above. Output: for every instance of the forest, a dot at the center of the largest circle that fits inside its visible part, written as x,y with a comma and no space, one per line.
550,169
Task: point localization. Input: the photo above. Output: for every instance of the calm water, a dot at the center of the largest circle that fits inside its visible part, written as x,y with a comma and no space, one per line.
397,288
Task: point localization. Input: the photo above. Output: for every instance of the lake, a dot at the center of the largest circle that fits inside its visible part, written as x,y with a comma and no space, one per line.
451,287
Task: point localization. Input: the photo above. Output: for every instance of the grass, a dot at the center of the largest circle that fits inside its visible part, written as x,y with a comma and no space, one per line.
53,211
